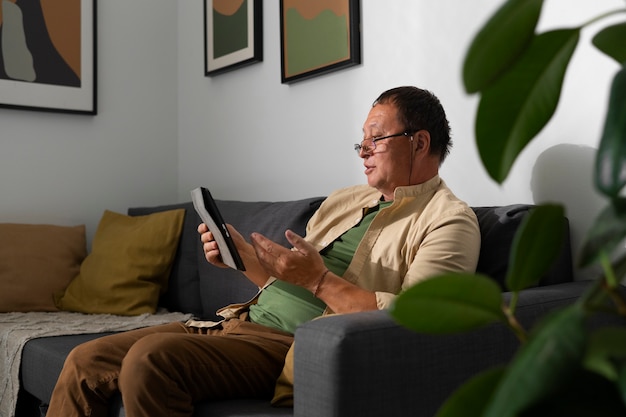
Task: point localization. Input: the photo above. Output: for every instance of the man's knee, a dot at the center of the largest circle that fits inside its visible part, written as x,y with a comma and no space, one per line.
88,373
85,356
148,359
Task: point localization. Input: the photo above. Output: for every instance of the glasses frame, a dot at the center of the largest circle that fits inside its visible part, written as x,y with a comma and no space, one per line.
371,148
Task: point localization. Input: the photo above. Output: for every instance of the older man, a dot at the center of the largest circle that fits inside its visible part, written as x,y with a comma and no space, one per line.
363,246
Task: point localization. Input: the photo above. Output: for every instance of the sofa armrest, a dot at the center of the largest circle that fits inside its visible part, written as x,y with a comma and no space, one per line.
367,365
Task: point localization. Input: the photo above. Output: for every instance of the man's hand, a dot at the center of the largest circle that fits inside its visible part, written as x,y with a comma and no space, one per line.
301,266
254,271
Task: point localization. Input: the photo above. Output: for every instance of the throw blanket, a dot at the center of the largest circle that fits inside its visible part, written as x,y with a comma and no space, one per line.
18,328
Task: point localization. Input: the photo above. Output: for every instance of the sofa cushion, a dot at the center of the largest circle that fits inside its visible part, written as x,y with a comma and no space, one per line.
219,286
197,287
43,359
183,293
498,226
128,267
37,261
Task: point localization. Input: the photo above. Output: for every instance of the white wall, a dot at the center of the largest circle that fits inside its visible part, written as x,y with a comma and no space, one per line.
247,136
66,169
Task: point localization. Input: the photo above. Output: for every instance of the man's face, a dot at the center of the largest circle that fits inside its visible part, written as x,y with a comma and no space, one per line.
388,166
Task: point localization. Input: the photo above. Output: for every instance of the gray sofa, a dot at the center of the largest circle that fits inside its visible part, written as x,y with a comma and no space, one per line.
360,364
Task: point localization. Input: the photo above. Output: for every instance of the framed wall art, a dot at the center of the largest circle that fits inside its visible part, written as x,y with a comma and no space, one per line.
48,55
318,37
233,34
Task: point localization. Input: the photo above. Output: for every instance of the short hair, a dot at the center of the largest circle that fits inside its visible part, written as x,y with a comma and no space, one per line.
421,110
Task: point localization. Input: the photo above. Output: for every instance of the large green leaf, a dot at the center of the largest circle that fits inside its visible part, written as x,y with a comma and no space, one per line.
610,172
449,303
607,231
520,103
619,268
471,399
606,352
536,245
584,394
550,357
612,41
500,42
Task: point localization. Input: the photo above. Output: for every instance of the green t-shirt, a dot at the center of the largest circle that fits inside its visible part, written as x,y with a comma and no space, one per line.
285,306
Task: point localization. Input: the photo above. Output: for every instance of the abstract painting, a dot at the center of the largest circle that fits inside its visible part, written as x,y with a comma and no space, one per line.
233,34
318,37
48,55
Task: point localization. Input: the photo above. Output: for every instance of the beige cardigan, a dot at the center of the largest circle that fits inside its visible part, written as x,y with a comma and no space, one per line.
426,231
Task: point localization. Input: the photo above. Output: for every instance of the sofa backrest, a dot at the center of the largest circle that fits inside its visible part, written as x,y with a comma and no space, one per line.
197,287
220,286
498,225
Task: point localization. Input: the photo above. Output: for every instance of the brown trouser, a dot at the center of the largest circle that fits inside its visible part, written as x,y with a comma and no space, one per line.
163,370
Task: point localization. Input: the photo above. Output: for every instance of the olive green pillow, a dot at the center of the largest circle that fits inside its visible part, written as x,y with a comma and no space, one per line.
37,261
129,265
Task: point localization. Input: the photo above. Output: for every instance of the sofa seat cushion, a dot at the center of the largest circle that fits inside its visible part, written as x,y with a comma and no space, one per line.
43,359
241,408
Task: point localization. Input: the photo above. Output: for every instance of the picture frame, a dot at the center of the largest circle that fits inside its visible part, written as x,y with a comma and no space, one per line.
318,37
233,34
50,61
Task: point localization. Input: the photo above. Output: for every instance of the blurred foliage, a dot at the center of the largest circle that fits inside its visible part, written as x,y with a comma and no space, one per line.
562,368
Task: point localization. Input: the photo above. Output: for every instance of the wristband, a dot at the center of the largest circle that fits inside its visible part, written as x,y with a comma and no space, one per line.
319,283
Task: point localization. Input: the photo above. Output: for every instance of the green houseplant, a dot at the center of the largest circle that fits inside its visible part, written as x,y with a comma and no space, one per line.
561,364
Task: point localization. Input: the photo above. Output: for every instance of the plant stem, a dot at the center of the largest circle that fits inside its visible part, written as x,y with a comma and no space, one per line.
608,270
611,286
513,303
515,325
603,16
619,301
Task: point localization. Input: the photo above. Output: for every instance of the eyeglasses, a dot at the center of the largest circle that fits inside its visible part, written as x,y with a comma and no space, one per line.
368,145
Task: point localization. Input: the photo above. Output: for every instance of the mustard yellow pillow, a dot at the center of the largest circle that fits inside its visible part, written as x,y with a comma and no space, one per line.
37,261
128,266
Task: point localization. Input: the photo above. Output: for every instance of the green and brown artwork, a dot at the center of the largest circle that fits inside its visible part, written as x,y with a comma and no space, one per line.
40,41
316,34
230,26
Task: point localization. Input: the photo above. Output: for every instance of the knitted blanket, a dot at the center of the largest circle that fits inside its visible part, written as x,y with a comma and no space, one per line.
18,328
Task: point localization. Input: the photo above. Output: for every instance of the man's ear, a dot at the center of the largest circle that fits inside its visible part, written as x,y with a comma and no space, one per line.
421,141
